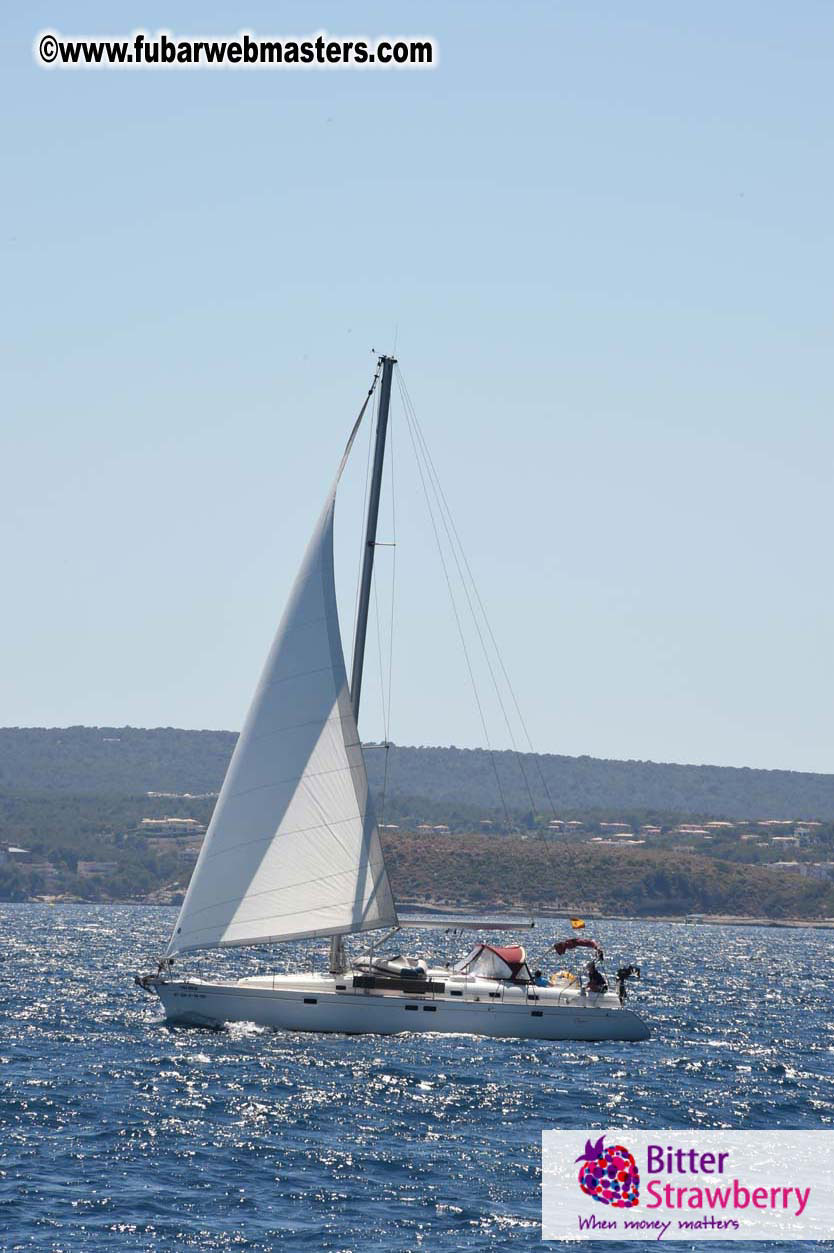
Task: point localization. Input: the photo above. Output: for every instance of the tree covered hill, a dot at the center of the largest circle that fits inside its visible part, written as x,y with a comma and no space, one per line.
131,760
113,760
482,873
582,784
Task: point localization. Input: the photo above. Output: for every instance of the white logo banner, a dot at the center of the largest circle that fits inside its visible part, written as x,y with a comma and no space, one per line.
687,1185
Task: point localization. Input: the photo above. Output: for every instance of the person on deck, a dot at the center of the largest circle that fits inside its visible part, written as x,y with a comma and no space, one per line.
539,979
597,981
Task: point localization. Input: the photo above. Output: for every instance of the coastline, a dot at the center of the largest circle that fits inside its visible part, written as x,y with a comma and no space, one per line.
701,920
465,910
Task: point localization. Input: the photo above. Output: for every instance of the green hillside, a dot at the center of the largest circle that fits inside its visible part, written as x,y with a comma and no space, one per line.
81,795
124,760
516,872
464,782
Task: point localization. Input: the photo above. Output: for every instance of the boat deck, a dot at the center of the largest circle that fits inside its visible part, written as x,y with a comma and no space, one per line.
357,1003
441,985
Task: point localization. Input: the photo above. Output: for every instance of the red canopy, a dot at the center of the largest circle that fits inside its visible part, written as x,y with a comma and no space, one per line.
563,946
493,962
513,954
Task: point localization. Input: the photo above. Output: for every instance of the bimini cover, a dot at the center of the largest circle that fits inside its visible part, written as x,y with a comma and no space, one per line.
293,849
493,963
564,946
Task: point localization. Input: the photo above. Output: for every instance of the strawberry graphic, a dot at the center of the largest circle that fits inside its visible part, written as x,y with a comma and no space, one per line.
609,1174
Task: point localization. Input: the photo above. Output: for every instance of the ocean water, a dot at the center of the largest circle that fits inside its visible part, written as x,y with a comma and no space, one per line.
119,1132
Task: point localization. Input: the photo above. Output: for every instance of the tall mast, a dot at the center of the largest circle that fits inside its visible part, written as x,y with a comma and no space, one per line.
338,960
388,364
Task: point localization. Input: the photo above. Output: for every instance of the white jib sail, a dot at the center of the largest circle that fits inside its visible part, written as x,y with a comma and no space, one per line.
292,849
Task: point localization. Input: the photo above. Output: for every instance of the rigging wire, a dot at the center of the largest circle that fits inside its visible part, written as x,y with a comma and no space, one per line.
386,686
391,623
451,535
386,707
382,693
365,497
456,545
385,693
461,633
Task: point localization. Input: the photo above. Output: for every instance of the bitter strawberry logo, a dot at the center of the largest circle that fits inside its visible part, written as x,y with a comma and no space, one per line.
609,1175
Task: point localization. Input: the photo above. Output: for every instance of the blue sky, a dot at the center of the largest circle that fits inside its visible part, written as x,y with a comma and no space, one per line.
602,235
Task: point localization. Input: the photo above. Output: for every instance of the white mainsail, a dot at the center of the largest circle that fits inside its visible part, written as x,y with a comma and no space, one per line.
292,849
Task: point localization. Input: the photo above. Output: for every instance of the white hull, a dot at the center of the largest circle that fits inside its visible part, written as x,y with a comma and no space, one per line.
327,1003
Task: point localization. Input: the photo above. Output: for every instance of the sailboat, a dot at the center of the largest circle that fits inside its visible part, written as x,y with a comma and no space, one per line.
293,851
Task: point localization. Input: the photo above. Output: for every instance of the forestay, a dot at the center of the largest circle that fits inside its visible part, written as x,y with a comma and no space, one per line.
293,848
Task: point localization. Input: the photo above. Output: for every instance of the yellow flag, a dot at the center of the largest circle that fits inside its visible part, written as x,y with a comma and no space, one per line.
577,924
